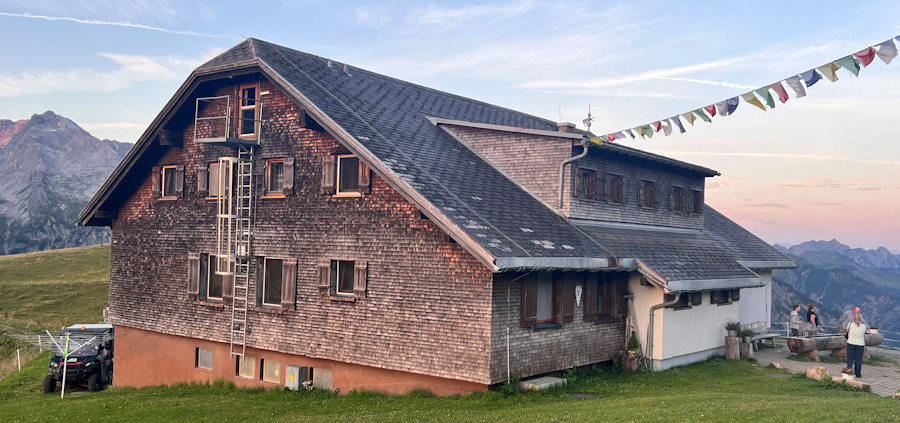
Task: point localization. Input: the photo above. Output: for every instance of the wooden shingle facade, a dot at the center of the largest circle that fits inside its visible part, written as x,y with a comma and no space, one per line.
401,237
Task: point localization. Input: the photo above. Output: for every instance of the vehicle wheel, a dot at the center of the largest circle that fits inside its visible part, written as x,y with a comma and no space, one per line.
49,384
95,382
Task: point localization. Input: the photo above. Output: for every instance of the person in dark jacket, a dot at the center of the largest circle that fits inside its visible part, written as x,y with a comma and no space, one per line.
811,317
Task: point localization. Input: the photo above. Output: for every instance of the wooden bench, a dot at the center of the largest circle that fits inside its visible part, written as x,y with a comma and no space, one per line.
811,346
762,337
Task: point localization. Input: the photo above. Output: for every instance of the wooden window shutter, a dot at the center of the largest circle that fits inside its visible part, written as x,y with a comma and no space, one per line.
193,276
179,181
365,178
227,285
260,269
687,201
668,297
156,181
623,190
324,285
600,185
202,180
671,198
287,184
696,298
735,295
654,198
621,290
579,184
288,283
359,278
529,301
641,198
329,174
591,288
607,187
568,298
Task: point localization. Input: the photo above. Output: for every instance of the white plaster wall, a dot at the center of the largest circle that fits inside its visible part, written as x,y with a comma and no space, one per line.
696,329
756,303
644,298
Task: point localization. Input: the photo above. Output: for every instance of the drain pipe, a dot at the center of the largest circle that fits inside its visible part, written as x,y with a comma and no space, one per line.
562,169
650,331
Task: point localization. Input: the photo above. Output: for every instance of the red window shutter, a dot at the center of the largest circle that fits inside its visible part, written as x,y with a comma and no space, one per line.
202,180
529,301
179,181
365,178
329,176
156,181
288,283
193,276
287,184
324,277
591,288
359,279
568,298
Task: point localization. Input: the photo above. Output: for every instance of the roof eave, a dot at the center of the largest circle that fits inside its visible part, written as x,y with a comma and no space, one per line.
768,264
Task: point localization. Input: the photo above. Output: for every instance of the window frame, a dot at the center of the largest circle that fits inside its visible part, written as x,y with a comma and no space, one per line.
604,296
562,299
262,370
648,196
197,361
685,301
586,184
243,105
172,172
336,275
616,194
266,283
213,176
725,296
340,177
239,368
210,259
270,166
676,199
696,201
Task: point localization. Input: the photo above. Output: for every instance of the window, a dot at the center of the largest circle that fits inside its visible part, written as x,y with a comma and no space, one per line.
676,195
272,281
548,299
276,282
215,185
604,296
647,194
345,175
696,202
724,296
275,176
585,184
615,193
271,371
167,181
246,366
248,112
343,279
203,358
684,300
348,174
214,282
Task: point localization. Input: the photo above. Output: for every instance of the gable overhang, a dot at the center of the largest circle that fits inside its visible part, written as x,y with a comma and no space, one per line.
556,134
569,264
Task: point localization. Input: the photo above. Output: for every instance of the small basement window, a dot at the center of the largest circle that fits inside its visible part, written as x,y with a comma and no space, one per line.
203,358
246,366
271,371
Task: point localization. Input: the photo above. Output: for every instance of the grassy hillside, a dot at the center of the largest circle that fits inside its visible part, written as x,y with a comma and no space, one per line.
51,289
715,390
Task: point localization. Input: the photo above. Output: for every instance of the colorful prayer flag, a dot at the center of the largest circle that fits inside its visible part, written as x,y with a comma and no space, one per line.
656,126
794,82
604,138
647,130
828,71
631,134
865,56
764,93
678,122
779,89
722,107
887,51
689,116
699,112
750,98
850,63
639,130
621,136
711,109
667,127
596,140
611,137
732,104
810,77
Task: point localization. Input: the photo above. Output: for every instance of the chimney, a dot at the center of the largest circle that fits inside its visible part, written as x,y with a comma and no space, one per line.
566,127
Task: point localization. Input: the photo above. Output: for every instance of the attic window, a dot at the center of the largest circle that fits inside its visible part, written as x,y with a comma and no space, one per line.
248,111
696,202
585,184
345,175
647,195
675,199
167,181
348,174
615,193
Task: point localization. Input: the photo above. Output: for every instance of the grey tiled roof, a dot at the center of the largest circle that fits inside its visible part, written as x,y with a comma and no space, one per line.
741,243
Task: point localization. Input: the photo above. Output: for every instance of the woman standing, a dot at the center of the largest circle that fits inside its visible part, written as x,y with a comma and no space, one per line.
856,342
812,318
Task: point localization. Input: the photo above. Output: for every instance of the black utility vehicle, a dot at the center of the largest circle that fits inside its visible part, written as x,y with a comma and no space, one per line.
90,360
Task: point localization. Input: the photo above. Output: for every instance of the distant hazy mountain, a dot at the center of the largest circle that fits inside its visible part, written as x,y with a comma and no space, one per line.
836,277
49,169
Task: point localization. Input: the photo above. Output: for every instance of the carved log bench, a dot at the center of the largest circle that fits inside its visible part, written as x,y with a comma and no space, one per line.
810,347
762,337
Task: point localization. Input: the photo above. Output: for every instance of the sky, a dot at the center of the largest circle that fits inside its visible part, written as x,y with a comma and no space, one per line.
814,168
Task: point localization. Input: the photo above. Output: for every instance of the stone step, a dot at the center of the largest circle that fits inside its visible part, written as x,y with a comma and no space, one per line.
545,382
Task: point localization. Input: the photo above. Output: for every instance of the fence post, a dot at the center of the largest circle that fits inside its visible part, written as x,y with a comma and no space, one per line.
18,360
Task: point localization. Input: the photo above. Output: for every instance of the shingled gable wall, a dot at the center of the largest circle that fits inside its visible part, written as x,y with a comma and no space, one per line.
428,305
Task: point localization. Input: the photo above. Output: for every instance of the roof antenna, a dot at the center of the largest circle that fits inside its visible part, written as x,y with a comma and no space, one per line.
587,122
559,109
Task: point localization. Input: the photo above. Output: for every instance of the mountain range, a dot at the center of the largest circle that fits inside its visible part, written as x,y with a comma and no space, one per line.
49,169
836,278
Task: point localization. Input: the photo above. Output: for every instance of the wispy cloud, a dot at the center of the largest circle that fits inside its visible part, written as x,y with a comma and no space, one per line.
383,17
768,205
781,155
803,184
132,69
109,23
825,204
713,83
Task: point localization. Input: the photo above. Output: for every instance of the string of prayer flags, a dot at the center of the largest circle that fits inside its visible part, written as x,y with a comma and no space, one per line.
779,89
850,63
829,70
621,135
699,112
794,83
750,98
887,51
677,121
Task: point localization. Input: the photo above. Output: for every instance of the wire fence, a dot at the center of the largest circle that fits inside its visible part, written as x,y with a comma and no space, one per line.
891,338
17,360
